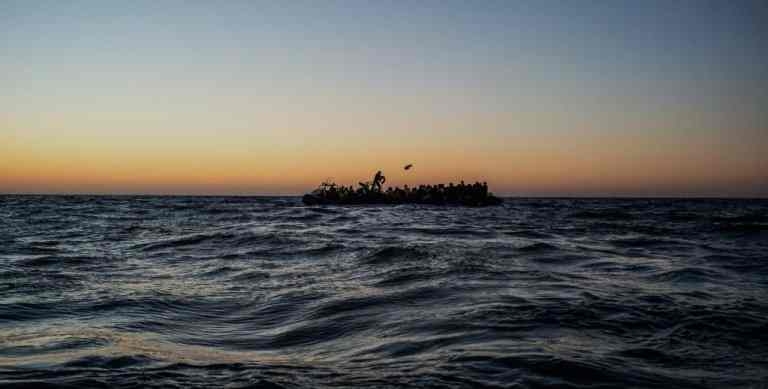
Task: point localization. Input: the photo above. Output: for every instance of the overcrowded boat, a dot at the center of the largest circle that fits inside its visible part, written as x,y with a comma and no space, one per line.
371,192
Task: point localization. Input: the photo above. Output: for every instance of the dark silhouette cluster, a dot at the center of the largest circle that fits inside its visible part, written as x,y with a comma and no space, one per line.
371,193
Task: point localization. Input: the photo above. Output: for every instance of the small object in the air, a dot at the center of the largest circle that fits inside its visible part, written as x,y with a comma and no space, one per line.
408,166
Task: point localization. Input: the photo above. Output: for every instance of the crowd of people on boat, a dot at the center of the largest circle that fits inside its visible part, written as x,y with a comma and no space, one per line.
372,192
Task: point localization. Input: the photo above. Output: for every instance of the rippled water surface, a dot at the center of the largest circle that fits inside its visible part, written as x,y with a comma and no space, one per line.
192,291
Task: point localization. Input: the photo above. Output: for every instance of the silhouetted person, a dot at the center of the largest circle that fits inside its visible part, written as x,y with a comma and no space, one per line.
363,189
450,193
378,179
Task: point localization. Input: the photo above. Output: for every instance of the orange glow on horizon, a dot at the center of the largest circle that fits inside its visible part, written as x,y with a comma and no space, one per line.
537,166
291,154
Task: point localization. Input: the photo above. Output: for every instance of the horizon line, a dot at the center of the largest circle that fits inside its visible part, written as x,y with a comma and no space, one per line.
553,197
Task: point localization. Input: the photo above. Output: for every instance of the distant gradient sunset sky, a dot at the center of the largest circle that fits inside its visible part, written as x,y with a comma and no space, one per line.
538,98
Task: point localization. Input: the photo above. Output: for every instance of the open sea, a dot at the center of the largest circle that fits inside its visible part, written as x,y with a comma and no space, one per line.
99,291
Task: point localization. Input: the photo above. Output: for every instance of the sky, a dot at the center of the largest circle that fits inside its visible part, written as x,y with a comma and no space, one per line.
538,98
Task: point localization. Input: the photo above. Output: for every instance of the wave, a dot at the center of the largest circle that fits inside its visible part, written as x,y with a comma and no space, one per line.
192,239
218,239
688,274
206,292
745,228
59,261
403,276
528,234
606,214
395,254
411,297
753,217
538,247
646,242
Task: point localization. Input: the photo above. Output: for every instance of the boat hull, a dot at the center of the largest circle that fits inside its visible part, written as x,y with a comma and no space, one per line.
313,199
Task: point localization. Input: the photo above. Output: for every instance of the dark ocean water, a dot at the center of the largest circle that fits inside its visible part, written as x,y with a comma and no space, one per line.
265,292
